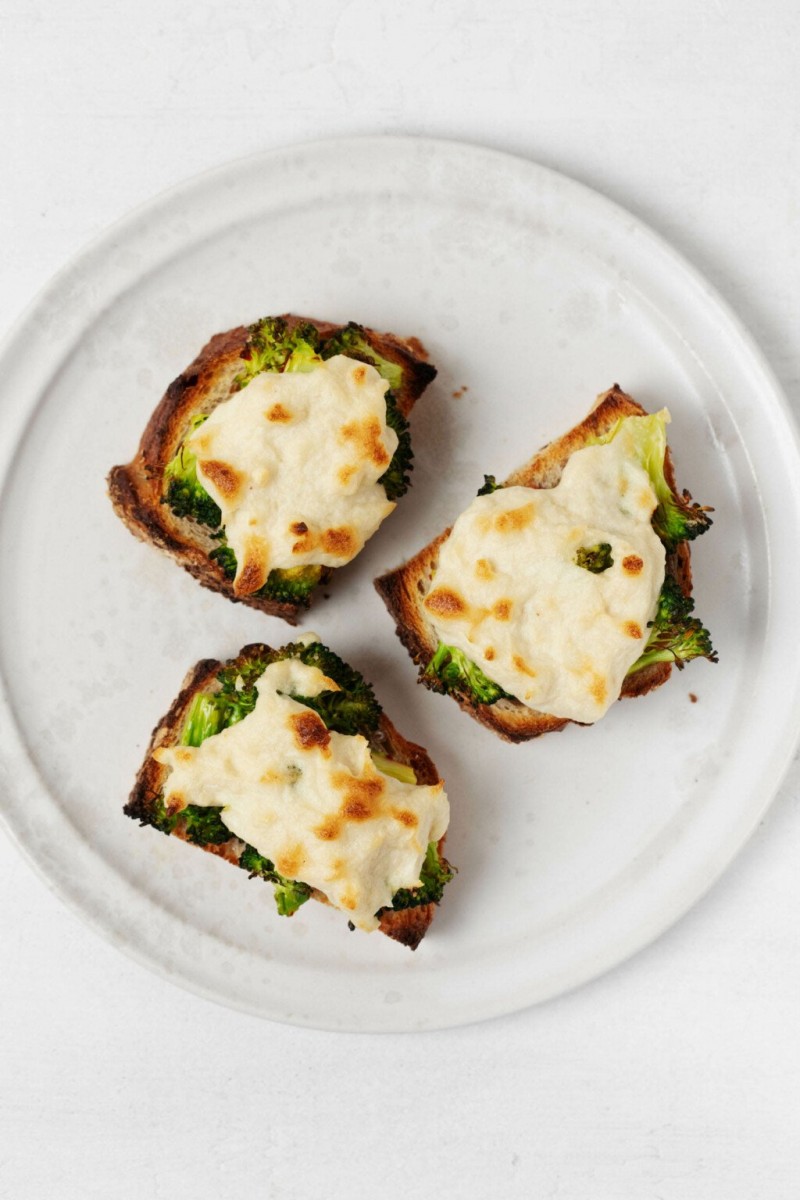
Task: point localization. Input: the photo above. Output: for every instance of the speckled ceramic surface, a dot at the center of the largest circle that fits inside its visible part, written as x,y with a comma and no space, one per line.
532,294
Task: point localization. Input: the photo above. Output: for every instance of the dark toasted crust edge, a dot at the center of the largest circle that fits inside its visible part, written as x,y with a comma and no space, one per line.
135,488
402,589
407,925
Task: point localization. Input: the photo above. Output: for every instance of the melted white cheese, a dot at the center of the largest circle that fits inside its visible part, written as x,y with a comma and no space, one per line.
310,800
508,592
293,461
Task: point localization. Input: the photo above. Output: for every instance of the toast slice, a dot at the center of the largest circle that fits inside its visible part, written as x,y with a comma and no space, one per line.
217,694
404,589
180,518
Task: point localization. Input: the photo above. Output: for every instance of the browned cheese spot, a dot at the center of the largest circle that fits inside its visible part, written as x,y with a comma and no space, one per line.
632,564
253,572
310,731
597,689
290,862
488,653
223,476
278,413
348,901
502,610
444,602
340,542
359,374
328,830
367,436
514,519
484,569
646,498
632,629
362,797
405,817
305,538
345,474
183,754
523,667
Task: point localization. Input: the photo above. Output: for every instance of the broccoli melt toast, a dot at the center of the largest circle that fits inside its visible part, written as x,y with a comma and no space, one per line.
564,588
283,763
274,457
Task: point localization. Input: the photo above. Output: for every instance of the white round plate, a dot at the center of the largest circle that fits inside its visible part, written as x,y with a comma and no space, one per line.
532,295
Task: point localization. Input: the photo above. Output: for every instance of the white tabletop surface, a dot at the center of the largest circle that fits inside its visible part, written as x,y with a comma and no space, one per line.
676,1076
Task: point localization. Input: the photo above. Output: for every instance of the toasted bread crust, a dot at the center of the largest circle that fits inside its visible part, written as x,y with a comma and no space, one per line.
407,925
403,589
136,488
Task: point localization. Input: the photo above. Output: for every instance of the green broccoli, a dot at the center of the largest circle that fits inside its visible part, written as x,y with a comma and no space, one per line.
352,341
272,346
396,770
204,719
435,873
490,485
354,709
289,893
286,585
457,673
394,480
202,825
675,636
184,493
595,558
292,585
676,518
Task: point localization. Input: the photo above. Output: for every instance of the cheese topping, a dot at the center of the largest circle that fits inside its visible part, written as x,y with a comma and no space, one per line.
309,799
509,593
293,461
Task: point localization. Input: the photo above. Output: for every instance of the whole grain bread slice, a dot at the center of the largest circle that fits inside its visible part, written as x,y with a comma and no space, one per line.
137,488
404,589
405,925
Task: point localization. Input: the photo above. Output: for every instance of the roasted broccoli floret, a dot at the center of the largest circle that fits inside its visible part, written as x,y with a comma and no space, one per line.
352,341
354,709
292,585
287,585
675,636
456,673
395,479
490,485
434,874
389,766
289,893
272,346
202,825
204,719
184,493
595,558
676,518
